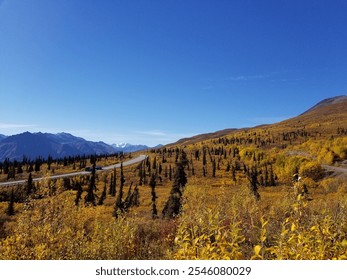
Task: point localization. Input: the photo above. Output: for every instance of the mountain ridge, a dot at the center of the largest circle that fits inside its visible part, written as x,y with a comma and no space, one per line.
327,102
39,144
326,114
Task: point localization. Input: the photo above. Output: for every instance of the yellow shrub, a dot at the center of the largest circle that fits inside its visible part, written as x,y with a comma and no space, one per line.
311,170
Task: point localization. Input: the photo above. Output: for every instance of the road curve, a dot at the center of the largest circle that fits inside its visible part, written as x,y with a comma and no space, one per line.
79,173
335,169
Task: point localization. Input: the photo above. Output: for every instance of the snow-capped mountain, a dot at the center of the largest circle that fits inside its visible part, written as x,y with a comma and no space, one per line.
126,147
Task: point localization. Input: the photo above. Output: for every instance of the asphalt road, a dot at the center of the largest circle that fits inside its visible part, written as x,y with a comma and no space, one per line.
79,173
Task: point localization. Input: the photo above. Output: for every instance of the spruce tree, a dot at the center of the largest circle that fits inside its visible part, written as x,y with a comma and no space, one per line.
113,183
252,175
233,173
129,198
174,203
90,197
170,172
103,195
79,193
10,207
29,185
214,168
152,184
136,197
119,206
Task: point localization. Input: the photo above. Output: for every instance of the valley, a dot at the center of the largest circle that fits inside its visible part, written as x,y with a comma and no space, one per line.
231,194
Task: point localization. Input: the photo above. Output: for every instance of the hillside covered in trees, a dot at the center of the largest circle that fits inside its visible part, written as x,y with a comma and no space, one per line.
276,191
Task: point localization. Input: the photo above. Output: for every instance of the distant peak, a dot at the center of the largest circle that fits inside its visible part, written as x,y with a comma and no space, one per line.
333,100
121,145
328,102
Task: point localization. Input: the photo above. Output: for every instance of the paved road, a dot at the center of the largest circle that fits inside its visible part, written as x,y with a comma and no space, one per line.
79,173
335,169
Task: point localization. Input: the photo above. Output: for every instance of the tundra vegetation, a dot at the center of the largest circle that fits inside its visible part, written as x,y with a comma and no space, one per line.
260,193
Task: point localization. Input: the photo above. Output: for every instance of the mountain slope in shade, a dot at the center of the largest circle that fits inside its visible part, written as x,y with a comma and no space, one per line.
33,145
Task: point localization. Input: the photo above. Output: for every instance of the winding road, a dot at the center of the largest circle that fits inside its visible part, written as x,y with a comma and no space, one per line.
335,169
79,173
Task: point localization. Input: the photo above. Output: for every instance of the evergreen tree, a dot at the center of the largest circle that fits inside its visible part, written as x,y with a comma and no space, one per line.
49,162
170,172
272,177
29,185
214,168
140,174
266,179
78,186
113,183
119,207
204,157
90,197
103,195
136,197
233,173
152,184
129,198
166,174
155,163
10,207
19,168
252,175
174,203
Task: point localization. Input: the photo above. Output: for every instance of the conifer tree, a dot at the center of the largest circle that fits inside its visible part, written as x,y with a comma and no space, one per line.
170,173
10,207
214,168
90,197
272,177
166,174
174,203
252,175
204,157
129,198
136,197
103,195
152,184
113,183
155,163
141,173
233,173
119,207
29,185
79,193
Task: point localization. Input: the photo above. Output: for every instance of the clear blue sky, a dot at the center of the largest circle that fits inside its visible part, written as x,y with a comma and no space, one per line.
152,72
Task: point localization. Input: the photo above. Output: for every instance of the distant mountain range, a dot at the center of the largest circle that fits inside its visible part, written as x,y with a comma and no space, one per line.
59,145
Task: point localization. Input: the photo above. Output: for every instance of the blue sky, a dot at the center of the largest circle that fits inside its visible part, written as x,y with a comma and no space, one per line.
152,72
